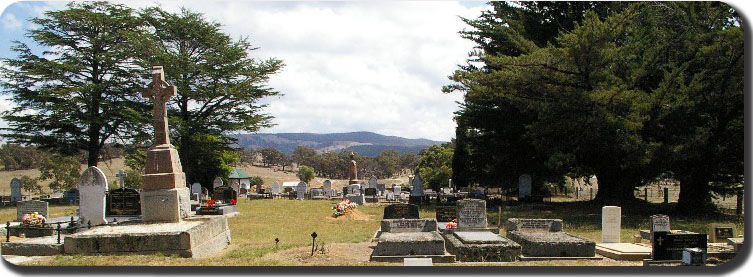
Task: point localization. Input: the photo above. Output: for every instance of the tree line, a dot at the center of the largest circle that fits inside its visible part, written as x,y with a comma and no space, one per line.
81,92
335,165
625,91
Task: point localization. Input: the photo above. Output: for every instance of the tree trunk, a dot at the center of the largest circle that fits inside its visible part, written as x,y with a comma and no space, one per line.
694,194
613,190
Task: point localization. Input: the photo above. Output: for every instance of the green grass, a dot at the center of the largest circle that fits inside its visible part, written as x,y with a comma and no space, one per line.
9,213
292,221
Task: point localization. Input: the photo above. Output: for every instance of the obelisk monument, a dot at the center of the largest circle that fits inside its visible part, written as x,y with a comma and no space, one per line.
165,196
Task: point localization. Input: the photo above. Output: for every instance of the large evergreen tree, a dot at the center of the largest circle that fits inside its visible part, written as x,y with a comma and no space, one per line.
626,95
219,87
82,91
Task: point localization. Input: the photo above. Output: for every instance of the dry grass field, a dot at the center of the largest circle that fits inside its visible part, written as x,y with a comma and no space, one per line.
346,241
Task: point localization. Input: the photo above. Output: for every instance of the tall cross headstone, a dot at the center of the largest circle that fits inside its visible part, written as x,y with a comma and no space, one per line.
165,197
121,178
92,186
160,92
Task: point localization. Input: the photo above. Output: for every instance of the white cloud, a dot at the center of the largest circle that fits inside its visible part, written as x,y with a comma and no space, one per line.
353,66
356,66
10,23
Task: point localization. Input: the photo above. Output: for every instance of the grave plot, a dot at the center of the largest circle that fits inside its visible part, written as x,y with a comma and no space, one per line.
403,235
543,239
472,242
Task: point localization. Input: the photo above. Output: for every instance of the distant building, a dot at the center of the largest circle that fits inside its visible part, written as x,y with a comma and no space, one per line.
240,181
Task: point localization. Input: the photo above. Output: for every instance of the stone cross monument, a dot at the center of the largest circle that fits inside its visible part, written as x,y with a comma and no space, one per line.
165,196
353,170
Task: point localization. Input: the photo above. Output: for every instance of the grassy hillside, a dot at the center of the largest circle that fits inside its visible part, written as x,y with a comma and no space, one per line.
110,168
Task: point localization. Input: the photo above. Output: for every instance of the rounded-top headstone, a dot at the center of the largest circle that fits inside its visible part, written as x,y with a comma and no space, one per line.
217,182
92,186
196,188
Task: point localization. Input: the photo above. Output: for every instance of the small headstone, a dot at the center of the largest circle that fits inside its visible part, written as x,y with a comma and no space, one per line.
92,186
396,190
446,214
471,213
524,186
15,190
611,222
30,207
721,232
354,189
398,211
276,188
658,223
300,190
196,188
381,188
217,182
418,186
373,182
446,190
694,256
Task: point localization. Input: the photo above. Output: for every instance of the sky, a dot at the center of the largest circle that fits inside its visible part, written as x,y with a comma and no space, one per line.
349,66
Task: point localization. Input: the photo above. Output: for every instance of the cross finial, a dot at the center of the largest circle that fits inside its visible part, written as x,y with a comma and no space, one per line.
160,92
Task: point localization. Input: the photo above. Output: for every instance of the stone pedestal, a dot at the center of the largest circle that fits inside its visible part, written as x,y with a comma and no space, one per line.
163,169
165,205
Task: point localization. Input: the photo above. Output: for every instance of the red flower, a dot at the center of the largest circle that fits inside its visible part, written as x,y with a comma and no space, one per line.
210,203
233,201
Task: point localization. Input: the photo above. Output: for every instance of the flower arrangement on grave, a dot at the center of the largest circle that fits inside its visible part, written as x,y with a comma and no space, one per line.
211,203
343,207
33,219
452,225
233,202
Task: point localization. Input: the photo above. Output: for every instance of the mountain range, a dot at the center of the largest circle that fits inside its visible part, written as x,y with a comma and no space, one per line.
364,143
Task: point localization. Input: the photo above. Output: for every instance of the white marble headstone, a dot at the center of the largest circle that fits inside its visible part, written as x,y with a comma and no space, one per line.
396,190
196,188
276,188
373,182
217,182
418,186
91,187
524,186
611,221
15,190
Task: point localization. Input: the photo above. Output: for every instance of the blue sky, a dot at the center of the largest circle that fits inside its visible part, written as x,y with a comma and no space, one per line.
350,66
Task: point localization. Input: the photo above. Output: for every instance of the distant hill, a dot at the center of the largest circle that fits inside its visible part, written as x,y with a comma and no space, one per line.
363,143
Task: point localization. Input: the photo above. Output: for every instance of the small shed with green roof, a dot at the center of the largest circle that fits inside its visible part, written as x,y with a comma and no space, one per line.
240,181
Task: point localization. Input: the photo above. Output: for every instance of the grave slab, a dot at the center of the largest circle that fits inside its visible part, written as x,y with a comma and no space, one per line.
623,251
193,238
481,246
